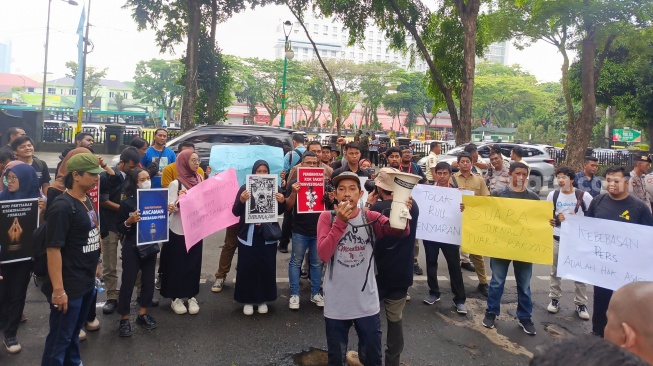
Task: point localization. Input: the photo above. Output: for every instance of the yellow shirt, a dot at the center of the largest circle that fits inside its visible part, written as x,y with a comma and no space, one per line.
169,174
474,183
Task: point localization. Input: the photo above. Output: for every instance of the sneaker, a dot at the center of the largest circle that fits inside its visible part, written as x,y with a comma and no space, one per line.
262,308
318,300
460,308
82,335
217,285
125,328
582,312
157,283
12,345
431,299
407,296
283,249
248,309
23,318
178,307
528,326
468,266
417,270
484,289
554,306
146,321
110,307
293,303
352,359
304,274
489,319
193,307
93,325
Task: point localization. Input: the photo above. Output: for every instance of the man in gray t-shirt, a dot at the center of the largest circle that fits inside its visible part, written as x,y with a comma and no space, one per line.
344,243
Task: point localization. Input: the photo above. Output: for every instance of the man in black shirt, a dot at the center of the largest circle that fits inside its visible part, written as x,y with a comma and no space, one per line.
616,205
353,155
23,148
73,251
12,133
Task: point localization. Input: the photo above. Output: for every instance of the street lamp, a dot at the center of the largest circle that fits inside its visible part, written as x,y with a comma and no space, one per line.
289,55
39,122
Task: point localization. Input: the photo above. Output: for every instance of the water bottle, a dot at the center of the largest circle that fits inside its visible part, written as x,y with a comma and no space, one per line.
98,285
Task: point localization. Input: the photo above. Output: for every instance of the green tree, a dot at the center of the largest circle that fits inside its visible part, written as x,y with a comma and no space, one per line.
92,79
158,82
214,83
376,78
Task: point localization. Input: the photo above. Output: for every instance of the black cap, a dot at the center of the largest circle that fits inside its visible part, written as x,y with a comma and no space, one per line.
643,158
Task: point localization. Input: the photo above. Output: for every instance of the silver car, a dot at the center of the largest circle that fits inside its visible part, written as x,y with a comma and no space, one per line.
537,157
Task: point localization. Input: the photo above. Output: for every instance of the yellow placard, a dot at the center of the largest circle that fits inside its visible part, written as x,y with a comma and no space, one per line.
516,229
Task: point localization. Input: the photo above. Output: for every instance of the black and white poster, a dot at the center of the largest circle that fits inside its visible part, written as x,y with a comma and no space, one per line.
18,220
262,204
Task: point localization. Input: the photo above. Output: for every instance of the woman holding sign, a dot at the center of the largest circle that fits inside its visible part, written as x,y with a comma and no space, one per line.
134,258
256,281
21,183
180,267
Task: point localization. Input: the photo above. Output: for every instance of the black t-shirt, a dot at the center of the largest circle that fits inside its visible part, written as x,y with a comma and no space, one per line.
111,189
630,209
303,224
79,239
42,171
509,193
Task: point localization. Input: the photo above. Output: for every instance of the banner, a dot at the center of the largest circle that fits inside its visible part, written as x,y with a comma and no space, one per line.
605,253
440,218
18,220
243,157
262,204
508,228
206,208
153,205
311,193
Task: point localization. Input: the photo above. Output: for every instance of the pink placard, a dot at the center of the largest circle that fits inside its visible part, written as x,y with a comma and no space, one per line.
206,208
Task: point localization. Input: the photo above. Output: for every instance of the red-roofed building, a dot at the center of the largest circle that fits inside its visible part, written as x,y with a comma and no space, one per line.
9,81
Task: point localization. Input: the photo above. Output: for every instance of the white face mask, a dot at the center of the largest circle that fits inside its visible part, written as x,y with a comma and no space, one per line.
145,185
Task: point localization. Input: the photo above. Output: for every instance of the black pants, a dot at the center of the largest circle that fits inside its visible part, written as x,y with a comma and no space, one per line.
131,264
452,256
602,298
286,229
374,157
13,291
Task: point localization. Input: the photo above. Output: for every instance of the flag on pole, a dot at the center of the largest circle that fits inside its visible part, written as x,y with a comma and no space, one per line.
79,100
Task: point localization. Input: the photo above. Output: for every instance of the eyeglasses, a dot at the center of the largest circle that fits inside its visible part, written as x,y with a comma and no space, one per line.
11,179
196,161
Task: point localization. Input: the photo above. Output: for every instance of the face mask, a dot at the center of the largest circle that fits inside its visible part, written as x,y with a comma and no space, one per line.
145,185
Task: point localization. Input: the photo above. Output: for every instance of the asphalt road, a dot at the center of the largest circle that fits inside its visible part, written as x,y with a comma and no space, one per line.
221,335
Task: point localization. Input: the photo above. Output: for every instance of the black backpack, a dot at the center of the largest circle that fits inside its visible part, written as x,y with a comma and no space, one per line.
39,256
290,158
580,204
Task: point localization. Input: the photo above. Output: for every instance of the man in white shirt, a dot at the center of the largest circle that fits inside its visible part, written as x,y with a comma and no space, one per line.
375,143
432,161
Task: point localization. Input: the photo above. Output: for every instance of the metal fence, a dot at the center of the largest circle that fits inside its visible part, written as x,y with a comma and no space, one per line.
420,150
605,158
67,134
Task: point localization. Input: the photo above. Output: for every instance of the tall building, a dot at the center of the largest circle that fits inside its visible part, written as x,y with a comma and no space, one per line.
331,39
497,52
5,57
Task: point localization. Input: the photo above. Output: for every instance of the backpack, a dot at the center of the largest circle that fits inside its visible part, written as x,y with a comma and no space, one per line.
579,203
290,158
40,239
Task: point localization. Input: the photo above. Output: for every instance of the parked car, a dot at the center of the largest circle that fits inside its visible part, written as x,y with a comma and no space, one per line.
54,131
537,156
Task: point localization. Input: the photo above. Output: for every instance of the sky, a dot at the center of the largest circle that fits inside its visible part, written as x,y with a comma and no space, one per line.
119,46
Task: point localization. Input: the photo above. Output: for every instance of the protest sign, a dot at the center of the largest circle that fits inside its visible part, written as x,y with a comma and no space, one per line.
440,218
262,204
153,206
18,219
243,157
206,208
363,199
605,253
508,228
311,193
94,193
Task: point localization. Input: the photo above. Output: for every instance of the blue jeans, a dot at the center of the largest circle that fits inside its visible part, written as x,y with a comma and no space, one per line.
299,245
368,330
523,272
62,343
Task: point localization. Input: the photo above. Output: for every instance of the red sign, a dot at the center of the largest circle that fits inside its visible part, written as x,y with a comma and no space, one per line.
95,196
311,193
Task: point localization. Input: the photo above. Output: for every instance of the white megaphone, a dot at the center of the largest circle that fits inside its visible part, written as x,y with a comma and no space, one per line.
403,184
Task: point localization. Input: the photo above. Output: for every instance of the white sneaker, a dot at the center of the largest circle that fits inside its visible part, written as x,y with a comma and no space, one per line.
553,306
82,335
178,307
12,345
217,285
318,300
193,307
248,309
93,325
294,302
582,312
263,308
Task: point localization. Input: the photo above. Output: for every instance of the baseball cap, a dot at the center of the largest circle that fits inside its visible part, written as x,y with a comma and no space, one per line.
643,157
384,180
346,175
84,162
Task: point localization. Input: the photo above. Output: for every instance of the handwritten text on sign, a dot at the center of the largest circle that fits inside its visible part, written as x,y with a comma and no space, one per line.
243,157
440,218
606,253
206,208
508,228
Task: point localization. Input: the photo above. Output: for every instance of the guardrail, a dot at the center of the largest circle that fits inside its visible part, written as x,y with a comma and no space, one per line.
67,134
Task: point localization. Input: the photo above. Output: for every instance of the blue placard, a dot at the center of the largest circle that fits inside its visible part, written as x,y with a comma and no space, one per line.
153,206
243,157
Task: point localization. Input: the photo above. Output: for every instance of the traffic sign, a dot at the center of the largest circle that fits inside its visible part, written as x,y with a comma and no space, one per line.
626,135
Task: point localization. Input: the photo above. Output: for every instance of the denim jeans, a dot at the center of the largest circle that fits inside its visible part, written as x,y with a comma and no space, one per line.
368,330
62,342
300,243
523,272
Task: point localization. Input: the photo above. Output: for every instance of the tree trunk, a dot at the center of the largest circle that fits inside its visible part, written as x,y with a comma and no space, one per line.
579,132
565,84
190,92
211,97
468,13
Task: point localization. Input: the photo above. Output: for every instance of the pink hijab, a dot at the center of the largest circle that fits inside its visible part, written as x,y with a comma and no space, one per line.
188,177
